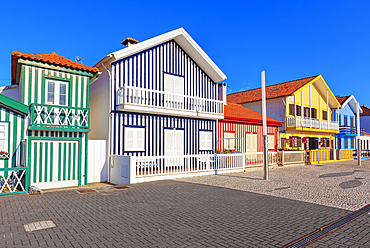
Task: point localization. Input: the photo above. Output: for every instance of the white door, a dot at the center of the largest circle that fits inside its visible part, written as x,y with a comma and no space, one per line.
54,164
174,146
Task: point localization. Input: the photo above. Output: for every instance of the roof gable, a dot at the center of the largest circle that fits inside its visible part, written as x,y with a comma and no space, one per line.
49,58
184,40
272,91
285,89
365,111
350,101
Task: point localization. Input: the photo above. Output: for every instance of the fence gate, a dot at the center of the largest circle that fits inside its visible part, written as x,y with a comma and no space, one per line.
54,164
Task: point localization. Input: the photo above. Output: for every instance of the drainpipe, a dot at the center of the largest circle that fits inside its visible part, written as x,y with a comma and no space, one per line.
109,121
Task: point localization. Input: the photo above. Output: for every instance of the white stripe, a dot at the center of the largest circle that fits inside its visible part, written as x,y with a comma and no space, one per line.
25,85
73,90
85,91
39,81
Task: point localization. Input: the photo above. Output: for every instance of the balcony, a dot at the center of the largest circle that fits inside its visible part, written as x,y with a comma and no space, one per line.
350,130
149,101
301,122
59,118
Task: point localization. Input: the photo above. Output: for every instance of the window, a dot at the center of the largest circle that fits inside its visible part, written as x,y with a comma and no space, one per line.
340,119
295,142
134,139
345,143
313,113
352,143
174,84
205,140
324,142
298,110
4,136
56,92
352,122
251,142
306,112
229,141
324,115
271,141
291,109
345,121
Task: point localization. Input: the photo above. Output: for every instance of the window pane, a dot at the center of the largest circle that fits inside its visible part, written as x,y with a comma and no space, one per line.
2,128
62,99
51,87
63,89
50,98
2,134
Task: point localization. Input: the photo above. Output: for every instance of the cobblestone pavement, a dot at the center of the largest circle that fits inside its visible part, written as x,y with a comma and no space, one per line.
341,184
161,214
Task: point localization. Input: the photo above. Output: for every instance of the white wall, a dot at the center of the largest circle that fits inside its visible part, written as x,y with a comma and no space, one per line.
275,109
99,111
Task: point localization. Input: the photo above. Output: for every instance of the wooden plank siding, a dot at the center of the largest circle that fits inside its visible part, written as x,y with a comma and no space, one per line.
15,136
33,86
147,69
240,130
154,132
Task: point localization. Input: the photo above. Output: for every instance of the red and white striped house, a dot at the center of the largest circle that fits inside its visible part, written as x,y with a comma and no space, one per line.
241,130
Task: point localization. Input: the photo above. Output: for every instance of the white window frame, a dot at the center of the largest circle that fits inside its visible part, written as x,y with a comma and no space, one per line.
138,146
232,141
271,141
56,92
6,136
177,88
205,140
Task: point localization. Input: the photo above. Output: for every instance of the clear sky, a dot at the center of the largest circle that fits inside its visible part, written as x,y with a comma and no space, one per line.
287,39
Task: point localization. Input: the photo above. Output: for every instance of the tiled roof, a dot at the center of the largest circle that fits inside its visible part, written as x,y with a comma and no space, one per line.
238,111
54,58
129,40
342,99
365,111
272,91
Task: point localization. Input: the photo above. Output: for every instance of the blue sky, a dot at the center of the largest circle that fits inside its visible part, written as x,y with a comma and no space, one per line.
287,39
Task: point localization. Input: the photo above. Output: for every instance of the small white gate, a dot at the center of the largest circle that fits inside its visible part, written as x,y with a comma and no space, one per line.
97,169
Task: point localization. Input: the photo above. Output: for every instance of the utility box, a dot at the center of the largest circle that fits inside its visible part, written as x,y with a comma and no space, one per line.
121,170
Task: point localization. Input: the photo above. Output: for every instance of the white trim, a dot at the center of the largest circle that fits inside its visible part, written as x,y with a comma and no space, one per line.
207,140
186,42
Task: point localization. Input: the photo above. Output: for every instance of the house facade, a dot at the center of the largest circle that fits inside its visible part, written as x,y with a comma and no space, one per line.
157,98
241,130
308,109
347,136
55,131
365,118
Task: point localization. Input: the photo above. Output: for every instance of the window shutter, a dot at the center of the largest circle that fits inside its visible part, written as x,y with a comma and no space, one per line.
299,142
248,140
282,143
129,139
291,109
203,141
169,84
179,142
271,142
140,139
209,141
179,85
254,142
169,144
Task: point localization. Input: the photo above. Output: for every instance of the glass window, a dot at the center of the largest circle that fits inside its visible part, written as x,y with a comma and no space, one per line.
229,141
4,137
324,115
56,92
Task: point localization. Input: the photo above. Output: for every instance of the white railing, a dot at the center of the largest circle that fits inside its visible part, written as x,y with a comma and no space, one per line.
256,158
290,157
162,165
161,99
312,123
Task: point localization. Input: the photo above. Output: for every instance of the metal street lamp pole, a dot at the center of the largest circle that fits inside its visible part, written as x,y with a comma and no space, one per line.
265,145
358,134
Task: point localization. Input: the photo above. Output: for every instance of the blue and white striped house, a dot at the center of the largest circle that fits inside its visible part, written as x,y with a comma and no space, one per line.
158,99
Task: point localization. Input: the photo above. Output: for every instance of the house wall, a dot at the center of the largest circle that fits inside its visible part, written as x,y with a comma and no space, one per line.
365,123
16,135
240,130
154,132
147,69
274,109
346,110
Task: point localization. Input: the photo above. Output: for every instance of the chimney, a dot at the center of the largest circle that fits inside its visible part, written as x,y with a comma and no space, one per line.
222,92
129,42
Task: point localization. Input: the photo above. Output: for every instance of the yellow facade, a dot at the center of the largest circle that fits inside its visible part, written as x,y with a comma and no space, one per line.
314,95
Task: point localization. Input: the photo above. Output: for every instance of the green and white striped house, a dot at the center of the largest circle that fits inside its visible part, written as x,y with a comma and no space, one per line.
56,93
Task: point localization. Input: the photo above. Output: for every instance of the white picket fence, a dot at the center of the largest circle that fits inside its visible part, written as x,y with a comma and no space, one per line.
256,158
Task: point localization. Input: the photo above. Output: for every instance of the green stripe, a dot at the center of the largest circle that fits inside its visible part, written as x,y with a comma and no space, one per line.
69,160
6,162
30,86
34,161
47,161
79,162
51,161
22,85
74,161
64,161
36,89
86,157
60,162
15,143
40,161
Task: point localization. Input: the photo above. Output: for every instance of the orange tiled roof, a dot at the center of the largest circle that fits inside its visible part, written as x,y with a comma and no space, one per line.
129,39
272,91
365,111
342,99
238,111
51,58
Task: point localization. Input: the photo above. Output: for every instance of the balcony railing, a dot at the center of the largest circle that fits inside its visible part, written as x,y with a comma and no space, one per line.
350,130
43,115
312,123
160,99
